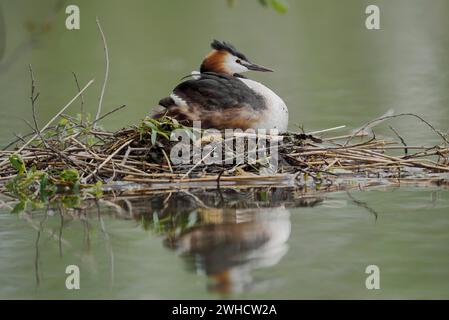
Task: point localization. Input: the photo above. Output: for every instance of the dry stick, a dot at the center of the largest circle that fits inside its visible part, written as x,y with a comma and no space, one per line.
363,156
49,147
33,99
125,157
426,153
371,157
198,163
36,129
402,148
331,164
108,159
400,138
19,138
376,154
98,133
340,147
85,156
327,130
51,120
84,148
198,200
401,159
82,97
109,113
396,116
360,134
137,174
106,54
168,160
363,205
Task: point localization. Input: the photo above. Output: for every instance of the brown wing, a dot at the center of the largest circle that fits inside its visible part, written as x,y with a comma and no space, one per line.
218,101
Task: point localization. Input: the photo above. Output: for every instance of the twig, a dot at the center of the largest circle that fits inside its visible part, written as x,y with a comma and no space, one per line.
326,130
106,74
33,98
363,205
400,138
82,97
51,120
108,113
19,138
198,163
108,159
168,160
396,116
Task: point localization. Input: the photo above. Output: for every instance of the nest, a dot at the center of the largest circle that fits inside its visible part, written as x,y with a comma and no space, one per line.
136,160
72,159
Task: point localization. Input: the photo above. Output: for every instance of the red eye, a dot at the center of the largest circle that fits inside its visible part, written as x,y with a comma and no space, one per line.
238,61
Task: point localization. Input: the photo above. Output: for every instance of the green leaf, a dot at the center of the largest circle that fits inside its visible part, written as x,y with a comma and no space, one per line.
63,122
90,140
71,201
279,5
18,164
153,137
43,188
69,175
96,190
19,207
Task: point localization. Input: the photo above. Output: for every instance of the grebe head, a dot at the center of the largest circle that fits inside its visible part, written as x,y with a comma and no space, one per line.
224,58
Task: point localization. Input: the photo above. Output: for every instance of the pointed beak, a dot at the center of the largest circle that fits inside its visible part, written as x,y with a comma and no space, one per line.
255,67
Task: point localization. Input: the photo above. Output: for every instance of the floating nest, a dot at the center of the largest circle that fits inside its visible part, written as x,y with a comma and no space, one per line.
75,155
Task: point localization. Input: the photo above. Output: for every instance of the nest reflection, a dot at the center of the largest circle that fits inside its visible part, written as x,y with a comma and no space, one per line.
225,235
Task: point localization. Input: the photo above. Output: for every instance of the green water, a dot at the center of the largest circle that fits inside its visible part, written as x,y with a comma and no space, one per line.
314,249
330,70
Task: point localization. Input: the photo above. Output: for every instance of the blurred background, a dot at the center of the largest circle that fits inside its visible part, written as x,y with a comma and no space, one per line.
330,69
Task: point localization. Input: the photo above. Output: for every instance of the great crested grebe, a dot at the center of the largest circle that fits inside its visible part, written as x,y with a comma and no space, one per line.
220,97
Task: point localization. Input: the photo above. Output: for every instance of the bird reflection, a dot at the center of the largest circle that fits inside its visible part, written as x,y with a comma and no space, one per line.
225,237
232,243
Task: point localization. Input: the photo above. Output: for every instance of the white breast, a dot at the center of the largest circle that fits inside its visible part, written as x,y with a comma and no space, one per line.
276,117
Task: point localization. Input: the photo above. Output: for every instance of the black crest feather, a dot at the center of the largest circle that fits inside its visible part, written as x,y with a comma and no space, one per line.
222,45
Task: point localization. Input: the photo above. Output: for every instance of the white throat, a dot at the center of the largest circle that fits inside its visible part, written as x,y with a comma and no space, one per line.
232,66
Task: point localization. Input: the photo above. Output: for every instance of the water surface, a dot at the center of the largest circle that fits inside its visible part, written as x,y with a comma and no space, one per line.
330,70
